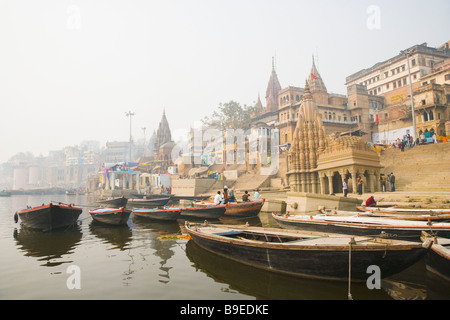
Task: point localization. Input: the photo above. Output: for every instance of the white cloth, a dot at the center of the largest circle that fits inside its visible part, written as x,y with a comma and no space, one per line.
217,199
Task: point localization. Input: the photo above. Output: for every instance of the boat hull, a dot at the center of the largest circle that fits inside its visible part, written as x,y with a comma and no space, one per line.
149,202
244,209
115,202
50,217
209,212
438,259
362,229
111,216
313,261
400,216
237,209
404,210
163,215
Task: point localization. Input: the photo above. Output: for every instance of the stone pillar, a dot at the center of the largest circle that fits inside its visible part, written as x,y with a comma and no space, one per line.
370,182
354,181
330,182
322,182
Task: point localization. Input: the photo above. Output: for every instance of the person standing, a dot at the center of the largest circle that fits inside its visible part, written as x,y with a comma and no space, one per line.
383,182
225,195
345,187
389,182
245,196
392,182
360,185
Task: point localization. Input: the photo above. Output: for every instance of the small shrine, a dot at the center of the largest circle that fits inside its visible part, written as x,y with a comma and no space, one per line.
318,164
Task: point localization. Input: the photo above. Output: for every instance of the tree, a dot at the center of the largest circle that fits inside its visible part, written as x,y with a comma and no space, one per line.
231,115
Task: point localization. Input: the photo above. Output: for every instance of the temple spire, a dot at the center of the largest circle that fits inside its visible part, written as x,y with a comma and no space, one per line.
273,88
315,81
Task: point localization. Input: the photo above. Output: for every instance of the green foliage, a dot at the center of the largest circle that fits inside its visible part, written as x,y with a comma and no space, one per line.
231,115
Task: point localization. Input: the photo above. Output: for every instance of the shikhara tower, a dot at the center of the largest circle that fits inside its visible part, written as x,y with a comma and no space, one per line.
308,141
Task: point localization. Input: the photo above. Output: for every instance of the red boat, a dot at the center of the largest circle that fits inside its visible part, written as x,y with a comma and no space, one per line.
237,209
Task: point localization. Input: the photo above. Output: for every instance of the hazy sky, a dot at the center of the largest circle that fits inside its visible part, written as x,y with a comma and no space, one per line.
71,69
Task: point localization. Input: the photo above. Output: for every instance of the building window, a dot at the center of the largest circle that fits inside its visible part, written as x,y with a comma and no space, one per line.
386,74
424,102
387,85
404,81
413,62
395,85
431,115
447,77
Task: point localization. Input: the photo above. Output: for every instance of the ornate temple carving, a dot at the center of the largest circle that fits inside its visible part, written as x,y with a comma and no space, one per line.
318,164
308,141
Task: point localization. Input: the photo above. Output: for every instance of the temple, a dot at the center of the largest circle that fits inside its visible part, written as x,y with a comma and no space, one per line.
309,141
163,143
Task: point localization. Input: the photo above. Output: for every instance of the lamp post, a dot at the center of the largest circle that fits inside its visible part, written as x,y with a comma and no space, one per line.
408,53
130,114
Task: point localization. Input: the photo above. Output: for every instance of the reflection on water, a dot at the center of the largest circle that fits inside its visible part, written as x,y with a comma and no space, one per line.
149,229
118,236
48,246
136,261
265,284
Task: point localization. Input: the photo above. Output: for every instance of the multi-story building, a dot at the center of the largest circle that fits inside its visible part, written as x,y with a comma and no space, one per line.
340,114
390,81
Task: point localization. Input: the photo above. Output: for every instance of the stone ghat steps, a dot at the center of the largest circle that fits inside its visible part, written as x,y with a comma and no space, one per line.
422,168
251,181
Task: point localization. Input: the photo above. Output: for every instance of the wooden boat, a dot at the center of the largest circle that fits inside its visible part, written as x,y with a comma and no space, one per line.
308,254
212,211
112,216
438,258
400,229
157,202
192,198
117,202
411,217
237,209
404,210
166,214
50,216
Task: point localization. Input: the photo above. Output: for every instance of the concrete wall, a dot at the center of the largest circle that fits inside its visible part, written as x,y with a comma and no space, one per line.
191,187
308,203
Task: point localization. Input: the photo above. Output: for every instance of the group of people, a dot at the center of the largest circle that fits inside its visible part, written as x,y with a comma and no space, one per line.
387,182
230,196
360,183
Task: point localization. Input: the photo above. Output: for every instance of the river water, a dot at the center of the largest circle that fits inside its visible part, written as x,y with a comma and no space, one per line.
133,262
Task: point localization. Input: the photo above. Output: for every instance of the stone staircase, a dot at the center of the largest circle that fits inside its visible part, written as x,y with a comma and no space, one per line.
422,168
252,181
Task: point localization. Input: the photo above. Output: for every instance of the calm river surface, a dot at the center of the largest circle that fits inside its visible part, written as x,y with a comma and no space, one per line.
132,262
